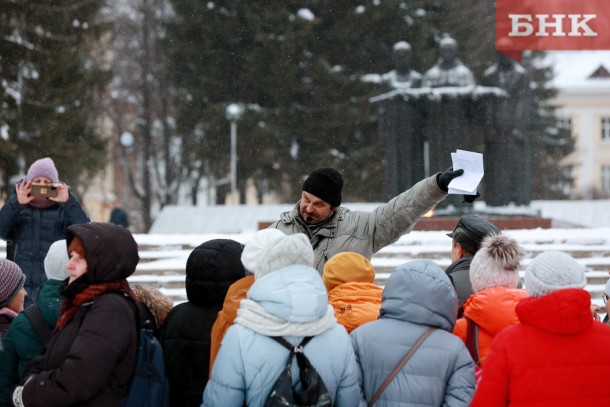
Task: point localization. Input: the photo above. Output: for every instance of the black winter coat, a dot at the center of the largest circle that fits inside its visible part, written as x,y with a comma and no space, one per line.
459,274
210,270
90,360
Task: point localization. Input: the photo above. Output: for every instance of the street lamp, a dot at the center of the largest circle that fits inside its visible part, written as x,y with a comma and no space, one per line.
126,139
233,113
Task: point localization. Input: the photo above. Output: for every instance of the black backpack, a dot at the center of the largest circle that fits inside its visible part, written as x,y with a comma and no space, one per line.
313,390
149,386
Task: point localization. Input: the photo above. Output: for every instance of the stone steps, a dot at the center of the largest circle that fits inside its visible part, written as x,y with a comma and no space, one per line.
163,266
163,257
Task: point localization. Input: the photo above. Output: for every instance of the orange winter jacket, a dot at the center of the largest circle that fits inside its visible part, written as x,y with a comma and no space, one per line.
493,310
237,292
355,303
349,278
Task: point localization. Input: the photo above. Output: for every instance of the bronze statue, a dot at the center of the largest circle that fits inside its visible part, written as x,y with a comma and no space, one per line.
449,103
449,69
508,172
401,123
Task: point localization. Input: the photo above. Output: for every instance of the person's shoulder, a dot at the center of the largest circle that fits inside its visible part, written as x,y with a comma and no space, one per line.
19,328
601,328
117,301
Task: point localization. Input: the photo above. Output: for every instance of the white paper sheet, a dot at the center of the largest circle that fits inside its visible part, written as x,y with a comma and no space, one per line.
472,164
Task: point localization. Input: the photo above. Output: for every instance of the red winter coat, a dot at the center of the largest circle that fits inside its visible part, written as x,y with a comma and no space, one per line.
493,310
553,357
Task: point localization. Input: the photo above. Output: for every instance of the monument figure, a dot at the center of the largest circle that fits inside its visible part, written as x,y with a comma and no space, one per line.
448,110
508,172
401,123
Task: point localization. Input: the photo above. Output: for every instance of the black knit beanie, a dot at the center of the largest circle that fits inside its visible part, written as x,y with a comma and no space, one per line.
326,184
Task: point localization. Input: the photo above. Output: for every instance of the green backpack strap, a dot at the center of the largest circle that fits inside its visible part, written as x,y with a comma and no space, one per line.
41,327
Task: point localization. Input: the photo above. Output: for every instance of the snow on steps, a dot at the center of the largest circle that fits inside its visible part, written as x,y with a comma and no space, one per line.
163,257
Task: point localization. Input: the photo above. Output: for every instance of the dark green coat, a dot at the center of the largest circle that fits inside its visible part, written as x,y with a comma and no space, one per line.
20,343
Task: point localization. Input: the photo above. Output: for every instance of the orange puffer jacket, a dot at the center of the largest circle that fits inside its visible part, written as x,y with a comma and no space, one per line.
237,292
355,303
493,310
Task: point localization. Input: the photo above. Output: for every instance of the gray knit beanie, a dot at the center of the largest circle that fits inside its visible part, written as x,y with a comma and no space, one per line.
11,281
270,250
55,261
552,271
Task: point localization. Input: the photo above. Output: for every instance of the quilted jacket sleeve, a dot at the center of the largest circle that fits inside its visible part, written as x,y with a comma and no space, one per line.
460,386
8,217
349,393
397,217
226,386
74,212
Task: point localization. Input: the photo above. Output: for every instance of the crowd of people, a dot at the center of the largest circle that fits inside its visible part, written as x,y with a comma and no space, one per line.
294,316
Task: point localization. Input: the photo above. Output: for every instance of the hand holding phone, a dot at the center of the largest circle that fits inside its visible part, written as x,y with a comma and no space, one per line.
46,190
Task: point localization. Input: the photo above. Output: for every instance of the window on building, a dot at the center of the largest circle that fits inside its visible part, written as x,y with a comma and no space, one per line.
605,128
605,181
566,185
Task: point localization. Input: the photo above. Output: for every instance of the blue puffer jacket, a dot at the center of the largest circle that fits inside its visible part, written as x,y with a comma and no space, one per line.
32,231
417,295
249,363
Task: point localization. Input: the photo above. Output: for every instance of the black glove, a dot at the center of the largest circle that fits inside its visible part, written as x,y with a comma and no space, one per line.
443,179
470,198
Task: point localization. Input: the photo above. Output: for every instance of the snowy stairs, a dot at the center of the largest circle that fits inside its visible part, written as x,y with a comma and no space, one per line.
163,258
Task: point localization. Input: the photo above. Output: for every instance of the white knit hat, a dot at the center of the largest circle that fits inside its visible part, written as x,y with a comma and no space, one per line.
552,271
270,250
496,264
55,261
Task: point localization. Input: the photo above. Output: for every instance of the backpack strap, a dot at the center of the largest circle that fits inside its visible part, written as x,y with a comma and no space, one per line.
291,347
41,327
399,366
472,340
298,352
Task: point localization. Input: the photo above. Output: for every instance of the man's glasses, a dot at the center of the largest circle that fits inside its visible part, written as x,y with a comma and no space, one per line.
605,298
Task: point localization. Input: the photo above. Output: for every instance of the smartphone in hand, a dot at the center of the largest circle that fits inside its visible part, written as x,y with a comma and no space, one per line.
43,190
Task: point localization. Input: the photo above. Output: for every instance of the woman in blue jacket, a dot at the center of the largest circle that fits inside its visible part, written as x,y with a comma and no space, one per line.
288,299
417,296
31,223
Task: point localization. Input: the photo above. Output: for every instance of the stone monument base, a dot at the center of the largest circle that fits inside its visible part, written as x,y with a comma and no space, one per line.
504,222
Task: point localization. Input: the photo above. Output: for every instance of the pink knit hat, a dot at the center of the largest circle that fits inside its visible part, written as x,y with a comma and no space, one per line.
45,167
11,281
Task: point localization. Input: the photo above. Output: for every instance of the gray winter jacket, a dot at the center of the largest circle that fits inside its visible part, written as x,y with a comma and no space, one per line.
441,372
365,232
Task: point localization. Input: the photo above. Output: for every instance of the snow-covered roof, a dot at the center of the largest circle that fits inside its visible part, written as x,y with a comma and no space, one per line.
573,70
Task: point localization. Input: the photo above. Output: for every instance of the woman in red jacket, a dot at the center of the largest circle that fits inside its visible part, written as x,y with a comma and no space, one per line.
548,358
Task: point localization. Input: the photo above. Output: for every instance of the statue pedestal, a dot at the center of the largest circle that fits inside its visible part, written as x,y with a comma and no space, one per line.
504,222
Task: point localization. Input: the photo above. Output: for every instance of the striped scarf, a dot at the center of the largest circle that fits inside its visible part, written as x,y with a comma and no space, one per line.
70,305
